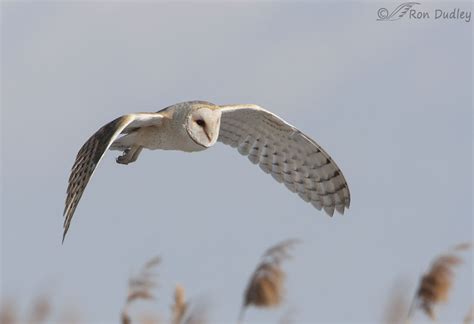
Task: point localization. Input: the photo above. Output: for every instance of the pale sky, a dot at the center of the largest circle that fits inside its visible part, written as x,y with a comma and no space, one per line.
390,101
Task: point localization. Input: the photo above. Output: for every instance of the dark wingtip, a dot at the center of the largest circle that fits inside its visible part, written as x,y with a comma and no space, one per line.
64,225
64,233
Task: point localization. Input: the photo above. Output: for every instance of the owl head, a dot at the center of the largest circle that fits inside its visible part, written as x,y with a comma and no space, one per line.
203,125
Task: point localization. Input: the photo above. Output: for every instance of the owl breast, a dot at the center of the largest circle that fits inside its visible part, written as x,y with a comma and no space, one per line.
168,136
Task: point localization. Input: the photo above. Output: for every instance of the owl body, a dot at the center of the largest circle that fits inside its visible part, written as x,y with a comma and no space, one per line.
168,136
172,133
280,149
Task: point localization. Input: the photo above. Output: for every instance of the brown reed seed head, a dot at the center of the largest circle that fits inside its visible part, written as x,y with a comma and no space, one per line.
41,309
148,318
135,295
125,318
140,286
8,312
183,312
266,285
436,284
462,246
280,251
180,306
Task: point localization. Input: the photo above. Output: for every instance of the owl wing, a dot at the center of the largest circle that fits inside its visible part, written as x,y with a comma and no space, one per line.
287,154
92,152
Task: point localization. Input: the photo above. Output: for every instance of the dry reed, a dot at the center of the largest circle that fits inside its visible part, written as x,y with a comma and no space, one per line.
41,310
179,308
139,287
182,312
8,312
265,287
436,284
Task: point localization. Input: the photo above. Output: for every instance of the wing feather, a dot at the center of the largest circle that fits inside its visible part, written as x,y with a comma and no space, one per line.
290,156
92,152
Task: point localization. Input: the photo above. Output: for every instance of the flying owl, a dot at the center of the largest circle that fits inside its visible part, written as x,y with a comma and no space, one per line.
280,149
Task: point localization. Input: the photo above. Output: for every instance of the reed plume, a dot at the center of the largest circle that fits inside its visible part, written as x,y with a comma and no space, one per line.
180,306
265,287
436,284
182,312
41,310
140,286
8,312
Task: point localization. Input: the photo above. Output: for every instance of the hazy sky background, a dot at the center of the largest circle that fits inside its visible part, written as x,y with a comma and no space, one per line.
390,101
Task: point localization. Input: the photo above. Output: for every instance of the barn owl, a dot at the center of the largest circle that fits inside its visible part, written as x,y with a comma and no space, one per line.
277,147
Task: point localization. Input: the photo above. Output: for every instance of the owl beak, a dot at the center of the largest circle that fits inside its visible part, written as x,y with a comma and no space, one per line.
209,137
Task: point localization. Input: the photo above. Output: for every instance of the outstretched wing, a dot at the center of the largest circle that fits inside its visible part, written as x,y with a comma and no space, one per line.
92,152
287,154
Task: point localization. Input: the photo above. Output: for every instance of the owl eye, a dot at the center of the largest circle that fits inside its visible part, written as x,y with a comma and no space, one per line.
201,122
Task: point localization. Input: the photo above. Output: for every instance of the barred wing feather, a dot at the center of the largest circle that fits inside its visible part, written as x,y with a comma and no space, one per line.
287,154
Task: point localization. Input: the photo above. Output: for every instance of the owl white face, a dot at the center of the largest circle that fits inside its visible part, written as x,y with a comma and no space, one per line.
203,126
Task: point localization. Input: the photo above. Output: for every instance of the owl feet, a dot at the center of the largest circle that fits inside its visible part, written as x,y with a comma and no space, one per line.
129,155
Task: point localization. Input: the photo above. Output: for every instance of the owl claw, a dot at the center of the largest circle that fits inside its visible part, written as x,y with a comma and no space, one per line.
124,158
129,155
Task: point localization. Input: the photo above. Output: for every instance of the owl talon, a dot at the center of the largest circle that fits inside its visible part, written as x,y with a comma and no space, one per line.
122,159
129,155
